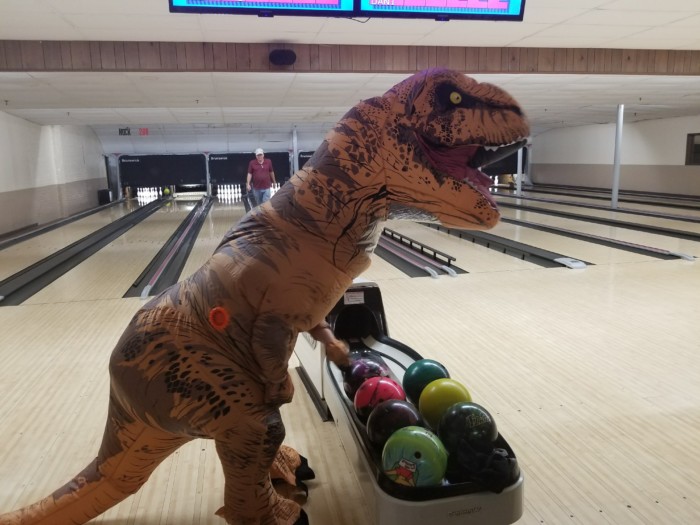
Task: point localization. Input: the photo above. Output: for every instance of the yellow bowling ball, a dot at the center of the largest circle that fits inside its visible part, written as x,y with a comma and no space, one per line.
438,396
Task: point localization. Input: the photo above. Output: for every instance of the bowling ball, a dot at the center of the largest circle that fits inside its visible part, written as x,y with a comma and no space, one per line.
467,425
359,371
438,396
373,391
166,191
389,416
419,374
414,456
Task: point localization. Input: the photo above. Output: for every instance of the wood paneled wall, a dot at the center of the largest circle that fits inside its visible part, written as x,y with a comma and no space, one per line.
32,55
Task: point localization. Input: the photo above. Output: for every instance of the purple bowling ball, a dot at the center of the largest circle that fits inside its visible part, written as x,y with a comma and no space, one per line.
359,371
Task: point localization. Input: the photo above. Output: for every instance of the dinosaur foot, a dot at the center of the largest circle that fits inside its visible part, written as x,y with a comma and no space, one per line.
303,518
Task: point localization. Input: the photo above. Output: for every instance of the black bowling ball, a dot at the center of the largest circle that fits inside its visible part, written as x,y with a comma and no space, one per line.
388,417
467,425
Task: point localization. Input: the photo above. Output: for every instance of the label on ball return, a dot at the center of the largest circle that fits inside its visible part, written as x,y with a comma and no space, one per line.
354,298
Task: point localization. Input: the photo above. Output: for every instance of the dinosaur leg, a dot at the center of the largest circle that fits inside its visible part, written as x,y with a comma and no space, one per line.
290,466
247,454
128,455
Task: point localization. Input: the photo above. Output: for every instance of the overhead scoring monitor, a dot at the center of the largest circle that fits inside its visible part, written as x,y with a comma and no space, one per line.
509,10
337,8
445,9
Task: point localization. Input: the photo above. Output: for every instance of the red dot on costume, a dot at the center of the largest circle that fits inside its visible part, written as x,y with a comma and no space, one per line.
219,318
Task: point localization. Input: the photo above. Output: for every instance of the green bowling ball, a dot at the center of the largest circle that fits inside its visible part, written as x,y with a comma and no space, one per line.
419,374
414,456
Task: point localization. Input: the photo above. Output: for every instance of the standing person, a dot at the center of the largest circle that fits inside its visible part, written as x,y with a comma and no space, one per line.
261,177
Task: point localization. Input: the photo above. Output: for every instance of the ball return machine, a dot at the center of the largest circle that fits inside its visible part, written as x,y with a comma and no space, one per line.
360,320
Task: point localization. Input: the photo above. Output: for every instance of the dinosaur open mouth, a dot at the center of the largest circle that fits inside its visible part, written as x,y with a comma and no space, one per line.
462,162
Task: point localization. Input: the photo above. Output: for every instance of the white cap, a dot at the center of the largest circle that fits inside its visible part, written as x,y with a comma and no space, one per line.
259,151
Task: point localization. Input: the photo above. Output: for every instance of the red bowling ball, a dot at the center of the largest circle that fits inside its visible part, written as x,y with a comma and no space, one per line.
374,391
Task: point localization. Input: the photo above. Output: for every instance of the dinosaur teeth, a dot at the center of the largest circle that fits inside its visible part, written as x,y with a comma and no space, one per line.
494,147
488,156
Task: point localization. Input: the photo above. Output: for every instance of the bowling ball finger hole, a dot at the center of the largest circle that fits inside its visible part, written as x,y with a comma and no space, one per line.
417,455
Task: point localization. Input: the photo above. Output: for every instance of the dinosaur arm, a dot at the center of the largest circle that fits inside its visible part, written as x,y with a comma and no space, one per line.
336,350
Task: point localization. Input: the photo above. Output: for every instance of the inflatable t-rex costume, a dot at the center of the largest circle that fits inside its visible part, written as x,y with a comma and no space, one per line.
208,357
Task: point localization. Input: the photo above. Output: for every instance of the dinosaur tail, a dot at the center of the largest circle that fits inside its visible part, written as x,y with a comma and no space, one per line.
128,455
78,501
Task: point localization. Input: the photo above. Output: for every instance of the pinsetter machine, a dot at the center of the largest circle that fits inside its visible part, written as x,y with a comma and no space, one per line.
359,319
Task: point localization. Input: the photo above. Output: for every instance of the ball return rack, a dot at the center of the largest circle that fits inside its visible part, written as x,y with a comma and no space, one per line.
360,320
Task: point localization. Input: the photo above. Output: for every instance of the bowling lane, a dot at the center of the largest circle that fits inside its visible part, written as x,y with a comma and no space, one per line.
671,223
221,218
18,256
113,269
665,242
383,270
568,247
224,215
470,257
575,198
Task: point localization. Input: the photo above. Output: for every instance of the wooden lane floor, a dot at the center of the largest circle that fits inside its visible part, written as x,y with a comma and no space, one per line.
18,256
568,247
660,206
656,240
54,384
470,257
54,387
383,270
475,258
638,218
112,270
80,334
335,494
222,217
593,377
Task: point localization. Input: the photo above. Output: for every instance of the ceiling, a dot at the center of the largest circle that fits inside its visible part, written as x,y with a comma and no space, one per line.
218,108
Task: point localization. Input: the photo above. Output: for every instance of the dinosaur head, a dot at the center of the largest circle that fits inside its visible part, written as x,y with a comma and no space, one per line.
446,126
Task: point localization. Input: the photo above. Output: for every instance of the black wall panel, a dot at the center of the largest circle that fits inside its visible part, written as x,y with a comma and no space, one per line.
304,156
147,171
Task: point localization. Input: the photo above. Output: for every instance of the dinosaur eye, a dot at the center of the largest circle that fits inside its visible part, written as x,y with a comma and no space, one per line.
455,97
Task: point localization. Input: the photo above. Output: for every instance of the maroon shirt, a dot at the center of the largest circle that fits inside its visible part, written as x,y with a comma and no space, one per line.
260,179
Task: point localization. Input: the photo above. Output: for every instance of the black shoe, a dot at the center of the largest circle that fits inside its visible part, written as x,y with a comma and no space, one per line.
304,472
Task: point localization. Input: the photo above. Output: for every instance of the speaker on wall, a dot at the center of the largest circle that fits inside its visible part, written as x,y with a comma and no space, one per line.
282,57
